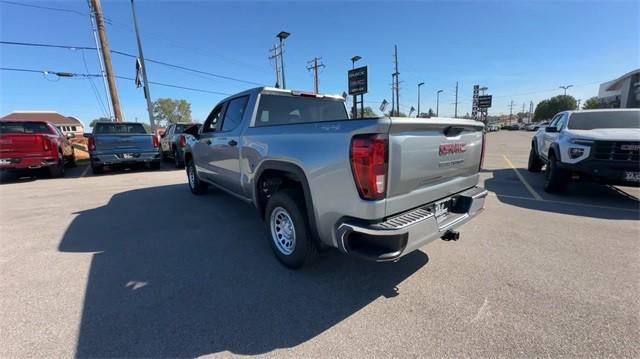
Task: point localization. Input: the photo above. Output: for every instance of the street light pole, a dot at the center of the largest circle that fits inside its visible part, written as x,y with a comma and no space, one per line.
282,35
420,84
355,97
438,102
565,88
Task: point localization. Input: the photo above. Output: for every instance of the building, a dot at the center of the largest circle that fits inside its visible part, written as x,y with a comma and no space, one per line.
623,92
66,124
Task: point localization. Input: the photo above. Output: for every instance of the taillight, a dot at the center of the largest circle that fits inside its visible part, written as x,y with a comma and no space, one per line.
92,144
156,143
369,163
46,143
183,141
484,140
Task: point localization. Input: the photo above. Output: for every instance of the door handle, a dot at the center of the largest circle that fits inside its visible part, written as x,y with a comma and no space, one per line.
208,142
232,143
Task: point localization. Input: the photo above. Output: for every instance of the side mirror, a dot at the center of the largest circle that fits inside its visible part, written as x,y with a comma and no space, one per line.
550,129
71,135
86,135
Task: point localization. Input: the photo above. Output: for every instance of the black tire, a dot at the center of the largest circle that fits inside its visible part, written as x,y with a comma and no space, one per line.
535,163
97,169
302,250
57,170
155,165
196,186
555,180
176,159
163,156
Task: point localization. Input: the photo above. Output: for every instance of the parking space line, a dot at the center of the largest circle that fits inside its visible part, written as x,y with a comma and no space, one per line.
524,181
568,203
84,173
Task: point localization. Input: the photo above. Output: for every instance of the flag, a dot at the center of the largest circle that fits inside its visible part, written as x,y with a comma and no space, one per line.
383,105
411,111
138,73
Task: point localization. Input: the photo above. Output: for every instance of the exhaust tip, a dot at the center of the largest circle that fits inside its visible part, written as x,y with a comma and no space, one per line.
451,236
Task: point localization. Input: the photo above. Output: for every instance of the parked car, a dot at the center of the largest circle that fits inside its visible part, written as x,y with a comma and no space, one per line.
538,126
122,143
513,127
377,188
600,146
34,145
173,142
493,128
530,127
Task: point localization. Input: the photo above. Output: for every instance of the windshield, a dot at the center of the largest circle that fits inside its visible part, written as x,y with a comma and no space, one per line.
604,119
181,127
284,110
120,128
24,127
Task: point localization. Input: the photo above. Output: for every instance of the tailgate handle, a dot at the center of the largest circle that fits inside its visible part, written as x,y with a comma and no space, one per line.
452,131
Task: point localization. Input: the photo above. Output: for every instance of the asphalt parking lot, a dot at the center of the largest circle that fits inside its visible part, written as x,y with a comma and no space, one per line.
131,264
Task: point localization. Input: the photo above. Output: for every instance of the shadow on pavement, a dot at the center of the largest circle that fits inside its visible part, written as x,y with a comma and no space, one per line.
175,275
77,172
580,199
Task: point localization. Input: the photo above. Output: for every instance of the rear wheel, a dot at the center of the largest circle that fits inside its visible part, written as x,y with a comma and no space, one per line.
535,164
177,161
97,169
555,178
57,170
288,229
196,186
154,165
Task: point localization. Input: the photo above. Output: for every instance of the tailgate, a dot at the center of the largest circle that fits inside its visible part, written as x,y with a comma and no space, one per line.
124,142
16,144
430,159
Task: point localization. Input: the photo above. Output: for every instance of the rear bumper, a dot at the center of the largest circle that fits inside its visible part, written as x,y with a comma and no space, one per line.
403,233
26,163
124,158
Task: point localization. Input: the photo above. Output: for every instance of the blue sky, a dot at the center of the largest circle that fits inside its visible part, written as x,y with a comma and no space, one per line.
521,50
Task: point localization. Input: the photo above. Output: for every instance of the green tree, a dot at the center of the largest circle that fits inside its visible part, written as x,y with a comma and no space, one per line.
167,111
548,108
401,114
592,103
99,119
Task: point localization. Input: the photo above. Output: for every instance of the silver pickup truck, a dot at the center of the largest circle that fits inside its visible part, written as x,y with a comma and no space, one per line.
377,188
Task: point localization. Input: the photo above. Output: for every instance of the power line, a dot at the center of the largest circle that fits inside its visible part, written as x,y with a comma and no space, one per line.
133,56
73,74
44,7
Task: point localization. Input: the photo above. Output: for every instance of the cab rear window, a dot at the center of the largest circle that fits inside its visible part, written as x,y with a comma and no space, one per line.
25,128
283,110
120,128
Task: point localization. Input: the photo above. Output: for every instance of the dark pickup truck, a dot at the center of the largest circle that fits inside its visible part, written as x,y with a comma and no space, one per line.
124,143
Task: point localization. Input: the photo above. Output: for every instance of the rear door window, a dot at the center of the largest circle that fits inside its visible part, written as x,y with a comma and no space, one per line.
235,112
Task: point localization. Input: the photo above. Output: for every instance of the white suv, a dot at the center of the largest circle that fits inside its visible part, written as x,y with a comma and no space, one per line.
594,145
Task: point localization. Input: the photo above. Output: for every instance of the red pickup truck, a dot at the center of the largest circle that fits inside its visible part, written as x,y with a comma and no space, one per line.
34,145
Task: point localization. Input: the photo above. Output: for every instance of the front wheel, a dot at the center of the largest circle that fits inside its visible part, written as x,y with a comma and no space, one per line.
555,178
196,186
288,229
535,164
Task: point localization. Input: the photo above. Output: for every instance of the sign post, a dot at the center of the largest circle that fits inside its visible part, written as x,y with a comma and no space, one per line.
358,85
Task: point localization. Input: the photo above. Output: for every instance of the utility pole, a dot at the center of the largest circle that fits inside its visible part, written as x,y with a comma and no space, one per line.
510,111
95,39
315,67
393,94
523,104
438,102
456,103
530,111
147,93
274,56
577,108
397,81
106,54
